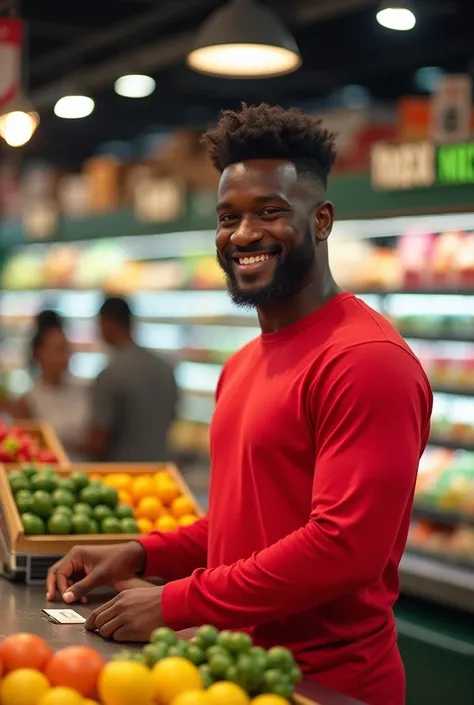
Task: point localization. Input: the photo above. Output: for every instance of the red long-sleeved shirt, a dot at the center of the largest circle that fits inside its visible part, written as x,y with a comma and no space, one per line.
315,443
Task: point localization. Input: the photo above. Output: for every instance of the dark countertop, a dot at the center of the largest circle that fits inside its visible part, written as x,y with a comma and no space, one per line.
21,611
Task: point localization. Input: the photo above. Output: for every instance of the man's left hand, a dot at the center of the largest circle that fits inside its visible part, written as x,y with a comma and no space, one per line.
131,616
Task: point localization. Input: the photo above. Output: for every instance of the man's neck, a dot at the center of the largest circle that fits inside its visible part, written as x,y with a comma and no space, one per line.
305,302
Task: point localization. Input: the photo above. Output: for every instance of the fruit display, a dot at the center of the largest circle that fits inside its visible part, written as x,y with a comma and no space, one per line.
446,481
49,503
20,445
157,500
31,674
109,503
453,544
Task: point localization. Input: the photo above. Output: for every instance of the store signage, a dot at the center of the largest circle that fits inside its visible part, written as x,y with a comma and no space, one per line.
421,165
10,59
451,107
403,166
455,164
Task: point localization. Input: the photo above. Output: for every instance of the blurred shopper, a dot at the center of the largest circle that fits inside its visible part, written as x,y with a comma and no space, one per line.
134,399
55,396
319,426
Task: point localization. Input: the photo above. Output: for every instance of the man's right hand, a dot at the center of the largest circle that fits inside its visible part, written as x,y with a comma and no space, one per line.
87,567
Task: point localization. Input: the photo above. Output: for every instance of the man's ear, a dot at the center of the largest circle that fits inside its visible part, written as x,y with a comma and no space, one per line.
324,220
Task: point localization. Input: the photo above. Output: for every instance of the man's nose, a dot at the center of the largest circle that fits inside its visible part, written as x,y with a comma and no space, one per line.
247,233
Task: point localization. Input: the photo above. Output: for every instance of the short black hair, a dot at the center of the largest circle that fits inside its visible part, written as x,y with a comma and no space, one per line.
117,308
272,132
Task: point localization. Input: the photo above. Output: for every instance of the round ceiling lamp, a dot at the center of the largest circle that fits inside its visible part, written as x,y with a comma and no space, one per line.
74,107
135,86
244,39
396,15
18,122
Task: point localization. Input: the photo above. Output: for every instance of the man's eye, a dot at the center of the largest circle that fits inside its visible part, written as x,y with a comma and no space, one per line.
227,218
270,211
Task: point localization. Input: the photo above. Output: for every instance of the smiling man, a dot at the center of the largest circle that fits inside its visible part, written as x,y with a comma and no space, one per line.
315,442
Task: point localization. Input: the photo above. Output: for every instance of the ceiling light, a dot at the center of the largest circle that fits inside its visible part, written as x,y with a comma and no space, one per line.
73,107
135,86
18,122
397,15
244,39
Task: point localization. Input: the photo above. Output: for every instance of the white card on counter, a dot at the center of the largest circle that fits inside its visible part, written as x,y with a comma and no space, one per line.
65,616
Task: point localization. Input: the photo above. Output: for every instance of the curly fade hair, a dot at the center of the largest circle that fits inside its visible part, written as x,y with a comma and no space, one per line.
272,132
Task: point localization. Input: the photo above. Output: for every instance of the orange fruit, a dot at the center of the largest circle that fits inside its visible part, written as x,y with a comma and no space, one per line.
161,476
76,667
228,693
145,526
23,687
167,491
166,523
149,508
61,696
126,683
187,520
181,506
24,651
125,497
172,676
119,480
270,700
142,487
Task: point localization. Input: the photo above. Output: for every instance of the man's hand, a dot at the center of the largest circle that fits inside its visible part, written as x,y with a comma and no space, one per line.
131,616
87,567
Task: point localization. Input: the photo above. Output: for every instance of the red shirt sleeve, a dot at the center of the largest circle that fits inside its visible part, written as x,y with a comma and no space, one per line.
176,554
372,404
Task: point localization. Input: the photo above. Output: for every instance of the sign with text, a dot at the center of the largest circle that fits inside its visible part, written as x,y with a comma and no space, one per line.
402,166
11,32
451,107
396,167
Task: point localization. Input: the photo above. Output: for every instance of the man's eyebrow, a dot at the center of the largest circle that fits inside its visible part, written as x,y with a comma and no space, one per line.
264,198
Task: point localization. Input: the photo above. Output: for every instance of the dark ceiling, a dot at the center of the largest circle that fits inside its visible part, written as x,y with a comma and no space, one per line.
94,42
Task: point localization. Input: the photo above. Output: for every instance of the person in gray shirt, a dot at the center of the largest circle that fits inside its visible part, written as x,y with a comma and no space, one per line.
134,398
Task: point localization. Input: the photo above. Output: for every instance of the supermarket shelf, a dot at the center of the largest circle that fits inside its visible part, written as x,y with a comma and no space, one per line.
434,579
450,444
438,336
439,516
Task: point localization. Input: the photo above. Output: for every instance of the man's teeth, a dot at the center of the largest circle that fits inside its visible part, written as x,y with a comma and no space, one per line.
254,259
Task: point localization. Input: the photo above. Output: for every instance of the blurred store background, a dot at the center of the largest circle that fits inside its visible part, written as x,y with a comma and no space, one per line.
104,186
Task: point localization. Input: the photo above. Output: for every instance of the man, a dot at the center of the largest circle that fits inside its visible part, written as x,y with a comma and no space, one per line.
134,398
318,429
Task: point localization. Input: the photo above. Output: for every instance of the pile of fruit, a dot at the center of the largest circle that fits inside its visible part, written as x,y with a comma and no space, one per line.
20,446
157,500
31,674
227,657
51,504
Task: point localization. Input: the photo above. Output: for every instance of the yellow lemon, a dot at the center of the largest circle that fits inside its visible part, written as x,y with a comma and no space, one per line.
125,683
61,696
142,487
187,520
166,523
25,686
149,508
227,693
172,676
182,506
193,697
145,525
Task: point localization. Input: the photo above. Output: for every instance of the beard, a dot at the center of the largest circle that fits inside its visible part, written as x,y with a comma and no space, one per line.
289,276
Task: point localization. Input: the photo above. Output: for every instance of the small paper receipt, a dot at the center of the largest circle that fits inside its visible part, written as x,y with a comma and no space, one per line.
64,616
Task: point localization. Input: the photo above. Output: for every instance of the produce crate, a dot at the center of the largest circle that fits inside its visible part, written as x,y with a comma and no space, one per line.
46,438
29,557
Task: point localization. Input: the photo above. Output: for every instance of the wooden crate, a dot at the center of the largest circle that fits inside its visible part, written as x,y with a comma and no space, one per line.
46,438
12,528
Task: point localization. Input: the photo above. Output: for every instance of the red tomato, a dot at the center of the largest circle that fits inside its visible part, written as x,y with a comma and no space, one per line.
76,667
24,651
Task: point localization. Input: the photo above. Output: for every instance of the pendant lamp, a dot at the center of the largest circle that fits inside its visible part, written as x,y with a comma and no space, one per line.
244,39
397,15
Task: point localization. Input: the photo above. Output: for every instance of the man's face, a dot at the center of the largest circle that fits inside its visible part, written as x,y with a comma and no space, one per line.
265,240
